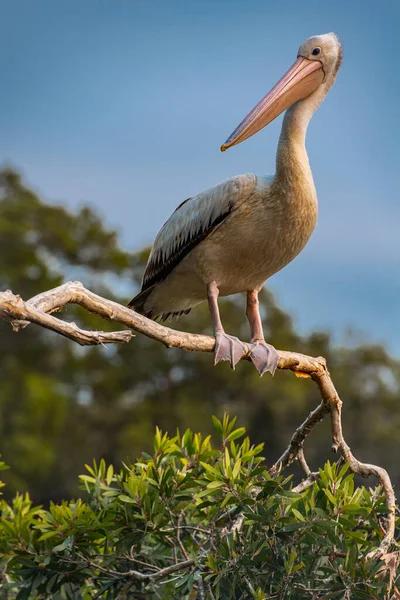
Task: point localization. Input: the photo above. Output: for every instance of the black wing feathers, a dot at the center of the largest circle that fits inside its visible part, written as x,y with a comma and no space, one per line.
160,269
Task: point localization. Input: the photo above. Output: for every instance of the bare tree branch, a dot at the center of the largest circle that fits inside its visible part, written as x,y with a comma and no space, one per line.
39,308
310,477
301,459
20,314
306,483
132,573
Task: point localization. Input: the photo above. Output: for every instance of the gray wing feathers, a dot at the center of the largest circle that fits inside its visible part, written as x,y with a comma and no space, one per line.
192,221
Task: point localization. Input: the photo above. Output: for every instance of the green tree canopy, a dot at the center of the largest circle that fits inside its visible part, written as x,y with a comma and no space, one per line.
195,521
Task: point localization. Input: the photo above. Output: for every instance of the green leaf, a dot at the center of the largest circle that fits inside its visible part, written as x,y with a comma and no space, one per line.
328,470
110,473
24,593
127,499
87,478
217,425
67,543
105,587
215,484
354,509
210,469
291,560
256,517
48,535
207,492
330,496
298,515
237,433
343,470
236,468
292,527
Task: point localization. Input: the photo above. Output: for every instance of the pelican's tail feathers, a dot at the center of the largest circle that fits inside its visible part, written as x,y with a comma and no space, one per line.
138,305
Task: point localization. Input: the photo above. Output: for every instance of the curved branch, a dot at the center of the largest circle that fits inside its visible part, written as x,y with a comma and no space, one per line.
39,308
330,396
20,314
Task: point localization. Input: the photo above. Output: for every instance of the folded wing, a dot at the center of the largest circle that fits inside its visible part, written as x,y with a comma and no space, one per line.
192,222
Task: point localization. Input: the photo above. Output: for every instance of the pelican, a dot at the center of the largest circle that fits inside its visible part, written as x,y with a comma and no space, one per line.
236,235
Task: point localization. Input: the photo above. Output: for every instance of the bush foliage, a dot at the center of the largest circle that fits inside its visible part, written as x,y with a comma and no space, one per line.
195,520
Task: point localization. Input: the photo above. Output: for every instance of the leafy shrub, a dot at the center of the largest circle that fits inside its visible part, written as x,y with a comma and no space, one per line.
198,521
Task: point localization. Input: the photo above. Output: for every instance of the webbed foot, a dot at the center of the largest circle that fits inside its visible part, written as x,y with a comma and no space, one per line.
263,356
228,347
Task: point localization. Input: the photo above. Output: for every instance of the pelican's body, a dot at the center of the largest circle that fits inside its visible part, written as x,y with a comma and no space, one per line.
256,240
235,236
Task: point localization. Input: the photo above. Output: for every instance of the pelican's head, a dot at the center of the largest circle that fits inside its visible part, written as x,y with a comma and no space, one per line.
325,49
318,60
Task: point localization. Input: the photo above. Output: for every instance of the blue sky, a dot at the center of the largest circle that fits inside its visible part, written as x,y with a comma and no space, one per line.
124,105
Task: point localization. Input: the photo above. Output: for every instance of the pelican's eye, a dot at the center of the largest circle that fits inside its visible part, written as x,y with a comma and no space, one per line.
316,51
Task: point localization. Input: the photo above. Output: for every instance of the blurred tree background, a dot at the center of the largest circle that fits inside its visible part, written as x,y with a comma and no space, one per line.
62,405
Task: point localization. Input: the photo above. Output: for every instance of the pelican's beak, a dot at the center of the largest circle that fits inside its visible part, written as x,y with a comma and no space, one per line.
302,79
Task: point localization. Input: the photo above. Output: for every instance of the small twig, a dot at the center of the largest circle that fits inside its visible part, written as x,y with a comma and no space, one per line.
310,477
13,307
301,459
178,537
188,527
132,573
296,443
306,483
300,586
171,569
210,592
140,562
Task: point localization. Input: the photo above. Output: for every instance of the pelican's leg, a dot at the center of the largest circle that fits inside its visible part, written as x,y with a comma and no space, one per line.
264,356
227,347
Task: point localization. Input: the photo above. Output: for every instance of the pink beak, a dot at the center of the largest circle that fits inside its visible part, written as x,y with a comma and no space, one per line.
301,80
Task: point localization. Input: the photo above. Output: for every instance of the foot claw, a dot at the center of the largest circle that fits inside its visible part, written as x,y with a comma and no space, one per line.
228,347
263,356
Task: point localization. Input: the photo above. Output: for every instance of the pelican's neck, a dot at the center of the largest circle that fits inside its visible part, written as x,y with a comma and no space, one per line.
292,166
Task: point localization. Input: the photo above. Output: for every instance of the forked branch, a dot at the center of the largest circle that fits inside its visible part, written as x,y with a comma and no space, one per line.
39,308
